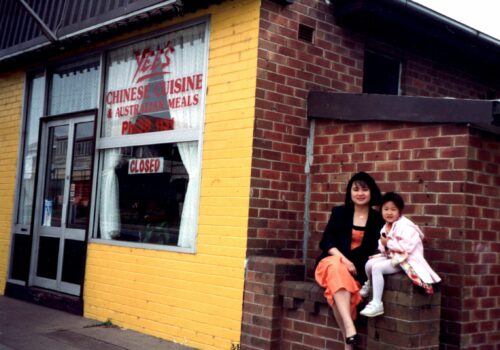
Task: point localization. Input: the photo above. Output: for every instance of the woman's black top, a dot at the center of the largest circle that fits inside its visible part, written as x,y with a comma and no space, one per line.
338,234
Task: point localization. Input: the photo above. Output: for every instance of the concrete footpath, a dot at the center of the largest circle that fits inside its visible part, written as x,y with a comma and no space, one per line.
27,326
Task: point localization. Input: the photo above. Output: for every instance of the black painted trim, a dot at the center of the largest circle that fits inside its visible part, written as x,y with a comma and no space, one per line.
347,106
54,300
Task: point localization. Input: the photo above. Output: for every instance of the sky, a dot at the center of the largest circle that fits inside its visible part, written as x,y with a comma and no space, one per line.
482,15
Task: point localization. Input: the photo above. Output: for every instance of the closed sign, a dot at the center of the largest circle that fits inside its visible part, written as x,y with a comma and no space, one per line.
145,165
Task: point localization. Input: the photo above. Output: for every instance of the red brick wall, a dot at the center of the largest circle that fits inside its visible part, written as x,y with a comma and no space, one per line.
440,170
262,313
281,311
288,68
480,306
449,177
421,77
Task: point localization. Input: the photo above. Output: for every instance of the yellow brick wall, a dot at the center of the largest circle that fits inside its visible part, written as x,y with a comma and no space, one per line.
11,93
196,299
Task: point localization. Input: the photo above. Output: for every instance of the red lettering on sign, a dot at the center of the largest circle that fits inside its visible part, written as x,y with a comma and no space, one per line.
145,166
136,93
184,101
152,63
143,125
164,124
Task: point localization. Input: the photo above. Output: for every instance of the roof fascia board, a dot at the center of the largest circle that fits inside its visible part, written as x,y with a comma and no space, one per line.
114,16
364,107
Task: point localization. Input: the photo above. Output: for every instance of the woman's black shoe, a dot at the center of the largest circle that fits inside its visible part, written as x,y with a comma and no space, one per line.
353,339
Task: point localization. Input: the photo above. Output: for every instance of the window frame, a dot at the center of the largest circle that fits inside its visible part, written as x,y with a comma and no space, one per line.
73,62
28,93
16,227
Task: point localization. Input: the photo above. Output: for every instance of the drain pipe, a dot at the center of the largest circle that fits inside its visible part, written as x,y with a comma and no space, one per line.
307,199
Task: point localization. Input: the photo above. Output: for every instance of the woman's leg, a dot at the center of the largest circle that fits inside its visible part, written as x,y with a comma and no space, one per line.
343,303
380,269
329,272
340,323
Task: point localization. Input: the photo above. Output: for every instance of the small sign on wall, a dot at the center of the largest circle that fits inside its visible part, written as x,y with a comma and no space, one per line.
145,165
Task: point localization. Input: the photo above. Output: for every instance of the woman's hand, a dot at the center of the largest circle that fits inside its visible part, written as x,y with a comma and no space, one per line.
350,266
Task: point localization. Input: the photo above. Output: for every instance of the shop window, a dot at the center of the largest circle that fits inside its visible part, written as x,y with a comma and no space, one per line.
144,194
381,74
149,145
73,88
27,180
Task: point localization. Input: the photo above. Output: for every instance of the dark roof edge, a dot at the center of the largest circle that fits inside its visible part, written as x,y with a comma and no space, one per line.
364,107
416,11
415,28
164,6
416,7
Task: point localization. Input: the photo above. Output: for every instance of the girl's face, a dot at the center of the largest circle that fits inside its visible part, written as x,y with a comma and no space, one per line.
390,212
360,194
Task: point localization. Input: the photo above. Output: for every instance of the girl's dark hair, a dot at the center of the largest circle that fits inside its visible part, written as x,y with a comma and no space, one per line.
395,198
363,179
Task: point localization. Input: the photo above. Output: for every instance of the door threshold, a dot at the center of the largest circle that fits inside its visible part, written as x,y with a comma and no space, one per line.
45,297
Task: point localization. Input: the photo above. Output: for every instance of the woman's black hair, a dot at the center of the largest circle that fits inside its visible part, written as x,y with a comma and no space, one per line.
394,198
363,179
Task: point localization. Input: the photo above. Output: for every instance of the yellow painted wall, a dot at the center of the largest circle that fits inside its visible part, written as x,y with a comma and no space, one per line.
11,93
196,299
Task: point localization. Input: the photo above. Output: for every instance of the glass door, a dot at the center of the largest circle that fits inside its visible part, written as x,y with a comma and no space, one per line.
63,202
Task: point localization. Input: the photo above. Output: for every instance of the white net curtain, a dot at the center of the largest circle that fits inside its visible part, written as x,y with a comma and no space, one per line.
189,61
73,89
110,210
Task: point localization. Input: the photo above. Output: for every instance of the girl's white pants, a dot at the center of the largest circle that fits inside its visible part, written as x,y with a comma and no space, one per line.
375,269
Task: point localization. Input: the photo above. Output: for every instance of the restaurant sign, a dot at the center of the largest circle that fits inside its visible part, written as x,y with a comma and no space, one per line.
151,84
145,165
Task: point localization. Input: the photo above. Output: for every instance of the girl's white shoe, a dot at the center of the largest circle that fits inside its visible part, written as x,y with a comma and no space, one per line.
373,309
365,290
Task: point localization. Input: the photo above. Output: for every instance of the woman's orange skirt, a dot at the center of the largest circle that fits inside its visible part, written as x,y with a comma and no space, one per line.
333,275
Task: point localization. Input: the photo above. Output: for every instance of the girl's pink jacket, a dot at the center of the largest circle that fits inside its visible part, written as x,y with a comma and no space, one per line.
406,237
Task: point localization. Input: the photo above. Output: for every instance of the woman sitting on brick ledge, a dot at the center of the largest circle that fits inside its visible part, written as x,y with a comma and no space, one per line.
349,238
401,248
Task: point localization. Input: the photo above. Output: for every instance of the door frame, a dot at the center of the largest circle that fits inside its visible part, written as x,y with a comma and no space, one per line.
62,232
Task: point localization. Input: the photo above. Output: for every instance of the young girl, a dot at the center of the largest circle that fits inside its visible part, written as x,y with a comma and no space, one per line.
400,247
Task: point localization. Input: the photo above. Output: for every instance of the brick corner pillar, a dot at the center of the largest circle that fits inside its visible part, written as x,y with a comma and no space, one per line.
262,305
411,319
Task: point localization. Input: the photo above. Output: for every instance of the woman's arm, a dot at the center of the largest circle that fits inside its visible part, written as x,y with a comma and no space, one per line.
332,232
332,237
350,266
